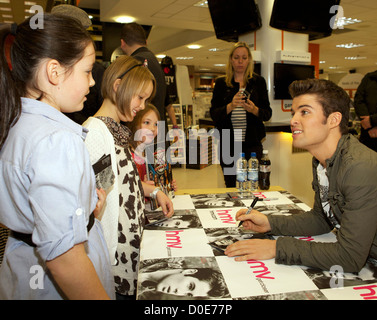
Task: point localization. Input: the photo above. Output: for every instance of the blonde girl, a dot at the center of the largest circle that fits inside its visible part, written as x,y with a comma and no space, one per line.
127,85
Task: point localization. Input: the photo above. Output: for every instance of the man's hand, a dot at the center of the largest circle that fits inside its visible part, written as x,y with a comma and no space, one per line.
254,221
365,122
373,132
255,249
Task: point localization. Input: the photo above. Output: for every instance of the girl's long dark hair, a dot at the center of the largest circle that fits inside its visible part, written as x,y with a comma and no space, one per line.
61,38
10,104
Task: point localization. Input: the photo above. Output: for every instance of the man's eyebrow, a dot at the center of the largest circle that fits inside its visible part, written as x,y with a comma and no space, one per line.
304,105
301,106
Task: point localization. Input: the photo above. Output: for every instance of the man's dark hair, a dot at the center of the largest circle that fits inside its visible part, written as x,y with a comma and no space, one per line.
133,33
332,97
215,281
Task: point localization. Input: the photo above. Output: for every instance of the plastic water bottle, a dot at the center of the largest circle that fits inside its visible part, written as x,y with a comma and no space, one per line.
264,171
252,172
241,182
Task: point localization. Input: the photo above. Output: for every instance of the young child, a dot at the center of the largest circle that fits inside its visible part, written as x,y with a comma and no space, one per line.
47,184
126,87
144,130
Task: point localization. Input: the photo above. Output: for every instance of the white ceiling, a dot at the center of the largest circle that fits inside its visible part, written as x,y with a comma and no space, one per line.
177,23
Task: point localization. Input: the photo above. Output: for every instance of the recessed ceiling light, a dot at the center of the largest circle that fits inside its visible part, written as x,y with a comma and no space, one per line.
355,58
194,46
202,4
349,45
343,21
219,65
161,56
125,19
185,58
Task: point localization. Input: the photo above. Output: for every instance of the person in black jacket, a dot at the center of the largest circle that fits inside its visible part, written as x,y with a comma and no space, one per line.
366,108
134,43
240,101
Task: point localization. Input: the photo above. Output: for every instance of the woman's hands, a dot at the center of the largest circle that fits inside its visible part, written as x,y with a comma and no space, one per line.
239,100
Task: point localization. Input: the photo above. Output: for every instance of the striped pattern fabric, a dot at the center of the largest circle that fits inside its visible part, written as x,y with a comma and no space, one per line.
3,241
239,122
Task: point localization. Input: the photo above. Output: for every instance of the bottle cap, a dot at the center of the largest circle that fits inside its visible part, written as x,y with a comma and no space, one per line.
253,154
242,155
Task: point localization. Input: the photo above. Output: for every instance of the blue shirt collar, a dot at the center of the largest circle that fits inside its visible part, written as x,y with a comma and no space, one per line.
33,106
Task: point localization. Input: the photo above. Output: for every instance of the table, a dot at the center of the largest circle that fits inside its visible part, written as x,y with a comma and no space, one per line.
182,258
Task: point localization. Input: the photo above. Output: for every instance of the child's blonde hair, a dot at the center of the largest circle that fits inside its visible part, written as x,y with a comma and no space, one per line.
134,78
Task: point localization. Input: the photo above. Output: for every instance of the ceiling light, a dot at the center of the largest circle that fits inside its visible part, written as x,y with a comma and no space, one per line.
343,21
6,9
202,4
219,65
185,58
322,62
194,46
30,3
355,58
4,1
349,45
125,19
161,56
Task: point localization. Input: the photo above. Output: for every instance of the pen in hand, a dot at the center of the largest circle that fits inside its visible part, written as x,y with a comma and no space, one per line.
250,208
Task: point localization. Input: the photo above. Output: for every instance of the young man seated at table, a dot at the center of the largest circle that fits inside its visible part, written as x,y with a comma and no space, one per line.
345,186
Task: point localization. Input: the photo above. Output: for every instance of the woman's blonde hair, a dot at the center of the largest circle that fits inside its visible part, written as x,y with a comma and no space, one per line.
229,68
135,78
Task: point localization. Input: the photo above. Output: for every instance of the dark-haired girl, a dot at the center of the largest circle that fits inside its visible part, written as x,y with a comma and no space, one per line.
47,185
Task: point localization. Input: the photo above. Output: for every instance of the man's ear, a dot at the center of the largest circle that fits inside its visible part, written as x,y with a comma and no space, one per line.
188,272
335,119
123,45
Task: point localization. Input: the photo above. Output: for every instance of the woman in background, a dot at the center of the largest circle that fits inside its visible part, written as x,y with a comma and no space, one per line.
239,101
